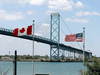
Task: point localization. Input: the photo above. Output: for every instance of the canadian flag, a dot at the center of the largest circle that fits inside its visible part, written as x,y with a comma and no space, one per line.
23,31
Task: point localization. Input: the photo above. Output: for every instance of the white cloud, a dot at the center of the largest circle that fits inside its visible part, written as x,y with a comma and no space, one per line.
77,20
10,16
32,2
45,26
38,34
30,12
38,2
78,4
50,11
60,4
64,4
68,19
14,1
9,1
52,4
23,1
81,13
43,30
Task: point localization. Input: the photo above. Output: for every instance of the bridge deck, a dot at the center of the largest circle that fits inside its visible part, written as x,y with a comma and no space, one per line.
9,32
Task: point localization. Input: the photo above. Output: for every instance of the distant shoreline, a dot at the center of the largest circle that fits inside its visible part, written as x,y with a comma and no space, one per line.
50,61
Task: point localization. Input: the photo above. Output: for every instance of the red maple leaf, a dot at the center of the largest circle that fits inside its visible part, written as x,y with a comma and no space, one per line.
22,30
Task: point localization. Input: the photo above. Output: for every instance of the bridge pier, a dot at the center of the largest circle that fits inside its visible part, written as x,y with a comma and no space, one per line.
74,55
68,54
79,56
89,56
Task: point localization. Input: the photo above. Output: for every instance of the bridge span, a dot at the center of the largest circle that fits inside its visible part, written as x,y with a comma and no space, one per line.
9,32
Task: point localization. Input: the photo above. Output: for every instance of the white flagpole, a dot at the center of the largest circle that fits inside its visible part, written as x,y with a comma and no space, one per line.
33,51
83,46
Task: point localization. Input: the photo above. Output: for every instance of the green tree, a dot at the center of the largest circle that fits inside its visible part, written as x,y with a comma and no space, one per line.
36,57
93,68
46,56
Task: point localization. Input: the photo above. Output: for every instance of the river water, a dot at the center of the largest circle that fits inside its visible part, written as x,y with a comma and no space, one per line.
51,68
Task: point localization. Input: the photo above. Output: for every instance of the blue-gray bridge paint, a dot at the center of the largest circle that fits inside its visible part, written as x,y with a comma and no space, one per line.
9,32
55,34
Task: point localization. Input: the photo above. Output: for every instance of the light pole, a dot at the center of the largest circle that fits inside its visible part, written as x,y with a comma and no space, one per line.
83,46
33,50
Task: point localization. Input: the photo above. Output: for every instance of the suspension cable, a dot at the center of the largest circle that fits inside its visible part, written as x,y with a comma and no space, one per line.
69,30
65,35
40,22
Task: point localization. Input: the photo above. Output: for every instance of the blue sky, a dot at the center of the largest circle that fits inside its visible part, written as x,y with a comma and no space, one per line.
76,14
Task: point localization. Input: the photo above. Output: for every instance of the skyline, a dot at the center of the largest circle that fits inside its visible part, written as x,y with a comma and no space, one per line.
76,14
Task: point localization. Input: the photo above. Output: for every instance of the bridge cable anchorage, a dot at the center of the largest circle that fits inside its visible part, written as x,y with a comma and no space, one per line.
69,30
41,21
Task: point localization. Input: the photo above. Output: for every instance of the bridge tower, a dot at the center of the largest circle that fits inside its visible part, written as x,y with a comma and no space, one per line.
55,34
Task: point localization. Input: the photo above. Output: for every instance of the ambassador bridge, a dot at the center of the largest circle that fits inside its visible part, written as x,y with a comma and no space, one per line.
54,41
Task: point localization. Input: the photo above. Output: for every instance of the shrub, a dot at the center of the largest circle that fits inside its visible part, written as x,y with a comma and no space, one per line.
92,69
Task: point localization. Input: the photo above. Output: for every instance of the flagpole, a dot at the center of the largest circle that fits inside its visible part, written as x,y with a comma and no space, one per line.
83,46
33,50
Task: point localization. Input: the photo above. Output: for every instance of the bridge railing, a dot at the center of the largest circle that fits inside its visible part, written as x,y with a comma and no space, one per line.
35,36
7,30
42,38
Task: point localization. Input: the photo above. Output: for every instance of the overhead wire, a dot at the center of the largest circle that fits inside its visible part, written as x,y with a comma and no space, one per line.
69,30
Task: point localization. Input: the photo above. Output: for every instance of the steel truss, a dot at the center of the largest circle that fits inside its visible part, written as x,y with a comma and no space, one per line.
55,34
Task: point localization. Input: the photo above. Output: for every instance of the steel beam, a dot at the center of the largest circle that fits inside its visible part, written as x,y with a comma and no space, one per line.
55,34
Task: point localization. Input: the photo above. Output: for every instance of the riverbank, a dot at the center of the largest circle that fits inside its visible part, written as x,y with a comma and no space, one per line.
41,60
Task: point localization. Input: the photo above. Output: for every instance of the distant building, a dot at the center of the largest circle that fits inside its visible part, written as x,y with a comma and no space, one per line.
43,58
6,58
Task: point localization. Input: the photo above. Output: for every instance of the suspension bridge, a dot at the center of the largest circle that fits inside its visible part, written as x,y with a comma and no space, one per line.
54,41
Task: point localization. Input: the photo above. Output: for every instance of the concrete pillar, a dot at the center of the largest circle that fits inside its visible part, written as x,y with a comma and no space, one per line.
68,54
74,55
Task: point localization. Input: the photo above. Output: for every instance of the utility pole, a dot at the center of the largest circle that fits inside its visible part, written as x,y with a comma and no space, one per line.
15,63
